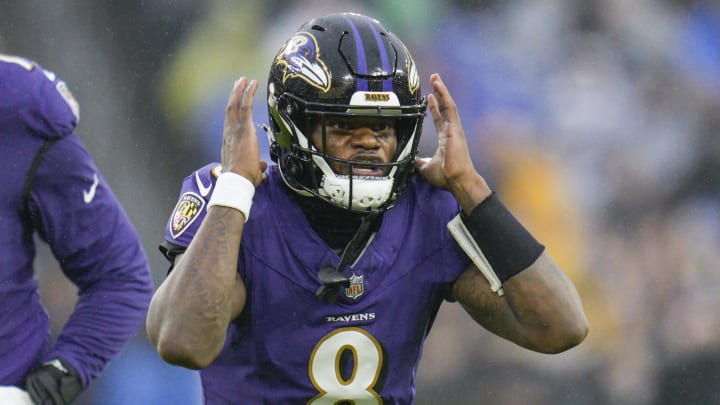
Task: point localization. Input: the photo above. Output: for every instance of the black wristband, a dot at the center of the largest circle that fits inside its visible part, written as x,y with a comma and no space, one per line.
506,244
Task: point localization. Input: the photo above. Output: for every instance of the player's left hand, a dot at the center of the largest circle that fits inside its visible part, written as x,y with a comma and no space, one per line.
451,167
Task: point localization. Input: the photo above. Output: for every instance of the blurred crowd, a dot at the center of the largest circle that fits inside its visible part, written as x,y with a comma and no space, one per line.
598,122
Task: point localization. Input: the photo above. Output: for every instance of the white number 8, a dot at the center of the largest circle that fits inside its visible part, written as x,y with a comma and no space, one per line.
325,373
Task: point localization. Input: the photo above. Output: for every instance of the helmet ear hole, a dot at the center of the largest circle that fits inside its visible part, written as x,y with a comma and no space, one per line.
294,166
274,151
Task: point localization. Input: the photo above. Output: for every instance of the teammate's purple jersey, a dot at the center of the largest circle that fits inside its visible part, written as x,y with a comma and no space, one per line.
75,212
287,346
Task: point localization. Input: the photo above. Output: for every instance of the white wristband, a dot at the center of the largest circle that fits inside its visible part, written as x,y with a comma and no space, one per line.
234,191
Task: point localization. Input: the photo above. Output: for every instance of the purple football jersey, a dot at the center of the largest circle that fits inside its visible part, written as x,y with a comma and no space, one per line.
289,347
71,207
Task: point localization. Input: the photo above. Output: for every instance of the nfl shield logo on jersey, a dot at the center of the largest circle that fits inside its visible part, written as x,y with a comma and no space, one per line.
356,287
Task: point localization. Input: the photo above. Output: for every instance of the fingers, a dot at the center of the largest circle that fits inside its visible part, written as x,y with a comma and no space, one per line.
239,152
421,161
233,101
435,111
240,103
441,104
249,95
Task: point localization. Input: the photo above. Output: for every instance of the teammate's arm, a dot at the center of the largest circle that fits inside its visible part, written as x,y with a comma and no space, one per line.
190,312
540,308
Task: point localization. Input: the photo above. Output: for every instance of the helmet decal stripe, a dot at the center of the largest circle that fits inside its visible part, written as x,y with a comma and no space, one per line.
362,84
387,83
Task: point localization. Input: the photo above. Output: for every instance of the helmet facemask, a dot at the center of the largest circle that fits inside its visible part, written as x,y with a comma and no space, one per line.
309,170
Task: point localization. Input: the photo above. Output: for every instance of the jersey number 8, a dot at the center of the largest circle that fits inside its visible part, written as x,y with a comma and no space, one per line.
325,368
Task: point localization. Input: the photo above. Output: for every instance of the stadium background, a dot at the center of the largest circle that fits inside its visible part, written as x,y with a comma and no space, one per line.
597,121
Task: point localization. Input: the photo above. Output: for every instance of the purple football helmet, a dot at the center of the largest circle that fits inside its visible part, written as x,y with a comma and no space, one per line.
343,66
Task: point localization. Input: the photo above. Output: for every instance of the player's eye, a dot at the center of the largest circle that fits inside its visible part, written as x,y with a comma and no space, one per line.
350,125
340,125
381,126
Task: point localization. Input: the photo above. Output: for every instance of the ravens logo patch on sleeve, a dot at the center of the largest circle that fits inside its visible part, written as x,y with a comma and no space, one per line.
186,212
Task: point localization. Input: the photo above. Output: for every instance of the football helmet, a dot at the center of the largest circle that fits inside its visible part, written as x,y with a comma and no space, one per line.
343,67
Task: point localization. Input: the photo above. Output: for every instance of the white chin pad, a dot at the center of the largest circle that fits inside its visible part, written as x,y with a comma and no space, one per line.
367,192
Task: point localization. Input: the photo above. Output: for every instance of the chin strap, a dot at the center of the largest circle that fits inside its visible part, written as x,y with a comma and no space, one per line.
332,277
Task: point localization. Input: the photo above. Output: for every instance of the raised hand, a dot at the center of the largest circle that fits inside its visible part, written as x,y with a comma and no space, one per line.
451,167
240,151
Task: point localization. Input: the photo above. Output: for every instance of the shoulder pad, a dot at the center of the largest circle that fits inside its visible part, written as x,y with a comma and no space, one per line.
35,100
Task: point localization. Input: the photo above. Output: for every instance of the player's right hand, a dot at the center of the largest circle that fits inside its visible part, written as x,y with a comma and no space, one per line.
240,151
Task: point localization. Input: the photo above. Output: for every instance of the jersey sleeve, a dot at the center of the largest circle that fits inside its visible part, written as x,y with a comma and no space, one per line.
190,210
76,213
438,207
41,103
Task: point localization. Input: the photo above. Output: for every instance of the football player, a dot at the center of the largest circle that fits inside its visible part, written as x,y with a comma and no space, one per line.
53,191
325,291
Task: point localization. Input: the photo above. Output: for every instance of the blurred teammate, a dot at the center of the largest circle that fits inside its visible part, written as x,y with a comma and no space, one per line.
326,291
52,188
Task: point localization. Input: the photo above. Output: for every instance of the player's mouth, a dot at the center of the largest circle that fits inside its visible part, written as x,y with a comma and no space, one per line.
367,171
362,165
372,167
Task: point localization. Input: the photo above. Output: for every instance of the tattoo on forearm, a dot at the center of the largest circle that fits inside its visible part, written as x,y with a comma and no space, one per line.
210,274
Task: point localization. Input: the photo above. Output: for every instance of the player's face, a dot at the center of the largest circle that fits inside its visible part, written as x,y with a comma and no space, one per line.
363,140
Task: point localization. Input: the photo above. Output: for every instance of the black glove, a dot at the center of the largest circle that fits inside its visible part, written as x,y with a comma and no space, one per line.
54,383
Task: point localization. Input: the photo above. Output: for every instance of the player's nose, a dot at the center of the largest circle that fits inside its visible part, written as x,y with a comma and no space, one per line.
365,137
